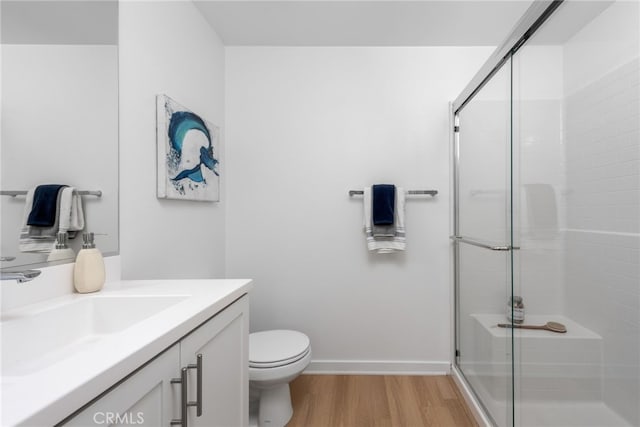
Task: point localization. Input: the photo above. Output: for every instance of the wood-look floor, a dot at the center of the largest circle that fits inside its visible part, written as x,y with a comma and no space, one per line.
377,400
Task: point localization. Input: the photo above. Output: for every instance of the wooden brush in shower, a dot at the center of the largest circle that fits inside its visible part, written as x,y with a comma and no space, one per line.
549,326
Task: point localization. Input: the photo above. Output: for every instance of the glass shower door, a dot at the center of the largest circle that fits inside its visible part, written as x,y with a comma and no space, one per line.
576,105
547,201
483,237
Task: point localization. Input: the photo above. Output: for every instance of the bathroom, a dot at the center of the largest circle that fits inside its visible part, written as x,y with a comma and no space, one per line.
308,110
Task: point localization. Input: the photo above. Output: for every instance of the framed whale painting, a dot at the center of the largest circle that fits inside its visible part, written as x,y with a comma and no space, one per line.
188,162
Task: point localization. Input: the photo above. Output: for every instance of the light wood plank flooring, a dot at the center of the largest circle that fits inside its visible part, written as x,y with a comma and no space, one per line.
377,400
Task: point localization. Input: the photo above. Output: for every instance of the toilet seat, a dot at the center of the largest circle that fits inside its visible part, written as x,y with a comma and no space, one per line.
272,349
278,363
275,359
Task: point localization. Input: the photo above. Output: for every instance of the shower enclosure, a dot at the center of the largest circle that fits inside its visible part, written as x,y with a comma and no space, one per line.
547,193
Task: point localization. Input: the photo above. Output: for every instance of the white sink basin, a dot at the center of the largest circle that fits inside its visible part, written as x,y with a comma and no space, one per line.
38,338
59,353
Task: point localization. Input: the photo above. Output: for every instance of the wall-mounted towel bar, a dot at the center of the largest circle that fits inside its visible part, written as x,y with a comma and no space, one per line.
14,193
412,192
487,192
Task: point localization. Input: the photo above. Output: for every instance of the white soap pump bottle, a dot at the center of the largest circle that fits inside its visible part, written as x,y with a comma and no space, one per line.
89,271
61,250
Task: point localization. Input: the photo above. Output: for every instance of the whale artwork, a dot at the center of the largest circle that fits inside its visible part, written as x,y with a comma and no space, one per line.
188,162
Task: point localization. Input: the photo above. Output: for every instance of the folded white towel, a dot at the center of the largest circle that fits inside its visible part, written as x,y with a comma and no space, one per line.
33,241
385,244
70,219
71,212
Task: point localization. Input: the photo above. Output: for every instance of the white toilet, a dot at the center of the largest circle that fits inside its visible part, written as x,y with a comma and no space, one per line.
275,358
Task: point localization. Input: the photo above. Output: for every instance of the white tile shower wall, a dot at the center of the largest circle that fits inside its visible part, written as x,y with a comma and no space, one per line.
602,148
539,272
602,133
305,126
167,47
539,180
602,289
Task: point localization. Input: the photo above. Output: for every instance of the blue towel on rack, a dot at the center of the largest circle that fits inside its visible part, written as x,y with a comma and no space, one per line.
385,244
383,204
44,208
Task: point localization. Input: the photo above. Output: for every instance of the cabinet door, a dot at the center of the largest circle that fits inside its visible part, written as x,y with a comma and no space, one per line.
223,342
147,398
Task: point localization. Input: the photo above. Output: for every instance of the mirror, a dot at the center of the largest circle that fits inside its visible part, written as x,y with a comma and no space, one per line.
59,117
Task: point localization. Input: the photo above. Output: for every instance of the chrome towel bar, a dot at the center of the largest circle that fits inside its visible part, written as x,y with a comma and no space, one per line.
14,193
412,192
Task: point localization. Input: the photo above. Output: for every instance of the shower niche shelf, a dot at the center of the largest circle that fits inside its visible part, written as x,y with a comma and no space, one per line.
551,365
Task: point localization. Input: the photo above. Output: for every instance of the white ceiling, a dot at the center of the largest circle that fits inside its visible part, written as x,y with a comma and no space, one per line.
362,22
302,22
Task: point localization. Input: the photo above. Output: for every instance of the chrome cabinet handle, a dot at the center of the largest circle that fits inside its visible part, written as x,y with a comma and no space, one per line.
184,387
198,368
183,398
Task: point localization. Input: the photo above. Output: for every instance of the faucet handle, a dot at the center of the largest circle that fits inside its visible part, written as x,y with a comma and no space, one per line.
7,258
29,275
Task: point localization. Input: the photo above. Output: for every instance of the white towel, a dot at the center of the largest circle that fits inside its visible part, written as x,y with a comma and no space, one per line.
27,241
70,218
71,212
385,244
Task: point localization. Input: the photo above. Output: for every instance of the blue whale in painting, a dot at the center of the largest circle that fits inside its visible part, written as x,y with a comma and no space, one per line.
180,123
195,174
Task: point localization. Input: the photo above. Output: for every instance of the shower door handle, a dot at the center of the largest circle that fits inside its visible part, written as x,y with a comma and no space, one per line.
483,244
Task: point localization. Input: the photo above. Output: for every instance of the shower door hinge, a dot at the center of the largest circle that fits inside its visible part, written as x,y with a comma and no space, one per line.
456,128
457,353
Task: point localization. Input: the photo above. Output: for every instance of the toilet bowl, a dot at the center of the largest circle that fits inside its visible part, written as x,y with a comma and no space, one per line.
275,358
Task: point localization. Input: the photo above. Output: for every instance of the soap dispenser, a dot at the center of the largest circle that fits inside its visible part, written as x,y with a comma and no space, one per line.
61,250
89,272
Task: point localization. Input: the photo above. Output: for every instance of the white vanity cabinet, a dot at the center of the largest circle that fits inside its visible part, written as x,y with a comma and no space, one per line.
213,358
147,398
223,344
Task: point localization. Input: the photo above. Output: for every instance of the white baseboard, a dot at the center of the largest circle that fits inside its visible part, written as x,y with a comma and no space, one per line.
378,367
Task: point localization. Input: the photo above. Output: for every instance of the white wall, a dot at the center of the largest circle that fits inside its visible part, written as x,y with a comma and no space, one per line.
306,125
167,47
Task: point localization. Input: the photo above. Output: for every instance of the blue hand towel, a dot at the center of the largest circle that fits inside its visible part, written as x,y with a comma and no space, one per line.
383,204
43,210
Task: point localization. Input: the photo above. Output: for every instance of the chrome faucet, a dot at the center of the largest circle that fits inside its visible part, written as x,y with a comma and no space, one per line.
20,276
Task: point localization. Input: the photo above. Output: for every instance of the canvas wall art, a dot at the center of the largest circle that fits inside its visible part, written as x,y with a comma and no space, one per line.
188,162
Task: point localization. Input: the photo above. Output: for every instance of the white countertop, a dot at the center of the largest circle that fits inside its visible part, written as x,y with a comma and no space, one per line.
47,395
